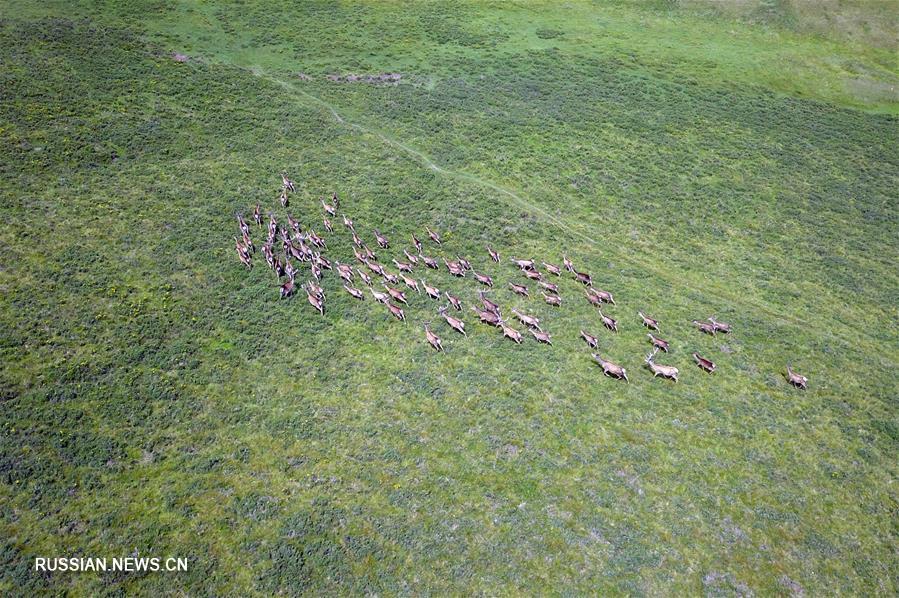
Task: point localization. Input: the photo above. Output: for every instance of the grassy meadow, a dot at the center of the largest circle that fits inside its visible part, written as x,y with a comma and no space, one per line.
697,158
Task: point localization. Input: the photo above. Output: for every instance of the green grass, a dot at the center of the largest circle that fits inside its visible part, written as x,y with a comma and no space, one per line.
158,397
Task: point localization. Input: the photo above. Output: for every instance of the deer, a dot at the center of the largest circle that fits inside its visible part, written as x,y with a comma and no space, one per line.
552,299
434,236
591,340
657,342
413,259
315,301
706,364
487,317
397,312
402,266
375,267
327,224
523,264
466,265
410,282
369,254
541,336
455,323
379,296
797,380
490,305
348,223
283,198
382,240
483,279
665,371
286,183
243,255
272,227
552,269
391,278
288,268
316,271
454,301
519,289
316,240
396,294
548,286
336,201
316,290
650,323
611,369
598,296
365,277
329,209
291,223
257,216
608,322
455,268
705,327
361,257
432,292
720,326
493,255
345,272
532,275
244,229
529,321
278,268
267,252
433,339
416,242
322,261
510,332
429,262
354,292
583,278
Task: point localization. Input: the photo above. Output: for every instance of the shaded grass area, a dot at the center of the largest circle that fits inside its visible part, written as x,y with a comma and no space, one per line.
156,397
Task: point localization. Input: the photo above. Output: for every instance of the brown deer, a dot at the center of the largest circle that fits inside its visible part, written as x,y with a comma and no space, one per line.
272,227
523,264
665,371
720,326
359,256
493,255
608,322
379,296
455,323
278,268
354,292
243,255
293,224
410,282
552,269
314,301
327,224
257,216
329,209
541,336
529,321
597,296
432,292
286,183
288,268
455,268
797,380
487,317
391,278
369,254
650,323
397,294
548,286
584,278
519,289
434,236
283,198
365,277
705,327
466,265
348,223
611,369
454,301
591,340
429,262
397,312
403,266
244,229
375,267
382,240
316,290
416,242
483,279
510,332
336,201
316,271
433,338
657,342
413,259
345,272
706,364
490,305
567,263
532,275
552,299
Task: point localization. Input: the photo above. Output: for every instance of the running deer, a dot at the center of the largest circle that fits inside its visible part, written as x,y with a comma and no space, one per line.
720,326
257,216
650,323
552,299
429,262
283,198
403,266
379,296
243,255
391,278
416,242
598,296
434,236
523,264
529,321
244,229
329,209
433,338
519,289
288,268
316,271
591,340
410,282
322,261
706,364
369,254
705,327
344,271
314,301
375,267
359,256
455,323
286,183
665,371
797,380
552,269
316,290
397,294
657,342
348,223
327,224
354,292
611,369
454,301
490,305
510,332
483,279
413,259
548,286
382,240
455,268
542,337
272,227
432,292
365,277
532,275
466,265
584,278
487,317
493,255
397,312
608,322
567,263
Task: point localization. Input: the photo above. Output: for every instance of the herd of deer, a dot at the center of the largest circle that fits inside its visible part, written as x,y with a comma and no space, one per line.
306,246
